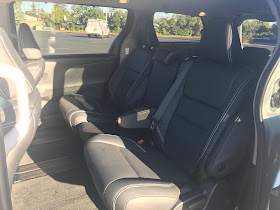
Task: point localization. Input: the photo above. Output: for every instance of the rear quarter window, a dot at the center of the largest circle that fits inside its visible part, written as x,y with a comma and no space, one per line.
172,27
256,33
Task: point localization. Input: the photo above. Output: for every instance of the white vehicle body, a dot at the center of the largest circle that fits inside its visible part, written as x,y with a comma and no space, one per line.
97,28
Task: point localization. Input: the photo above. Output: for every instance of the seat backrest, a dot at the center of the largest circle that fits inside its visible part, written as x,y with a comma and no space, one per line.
255,58
30,52
28,47
153,89
134,70
205,128
9,56
163,75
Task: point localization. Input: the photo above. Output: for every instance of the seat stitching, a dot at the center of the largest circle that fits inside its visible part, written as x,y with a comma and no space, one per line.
3,93
8,126
71,110
223,116
9,123
71,115
160,134
129,163
127,187
152,196
117,178
169,56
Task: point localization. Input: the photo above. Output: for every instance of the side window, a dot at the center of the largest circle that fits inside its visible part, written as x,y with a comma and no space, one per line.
256,33
172,27
69,28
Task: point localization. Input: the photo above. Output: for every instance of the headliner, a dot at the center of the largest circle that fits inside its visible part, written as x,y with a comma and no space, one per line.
248,8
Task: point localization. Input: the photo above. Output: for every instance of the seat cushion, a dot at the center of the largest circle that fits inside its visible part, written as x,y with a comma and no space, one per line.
77,109
128,175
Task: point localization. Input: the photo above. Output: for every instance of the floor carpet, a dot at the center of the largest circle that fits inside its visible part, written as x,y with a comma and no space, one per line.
53,174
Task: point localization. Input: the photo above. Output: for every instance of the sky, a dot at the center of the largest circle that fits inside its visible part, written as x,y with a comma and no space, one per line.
48,7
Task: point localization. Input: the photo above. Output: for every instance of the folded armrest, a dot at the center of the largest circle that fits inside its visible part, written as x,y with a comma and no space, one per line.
137,118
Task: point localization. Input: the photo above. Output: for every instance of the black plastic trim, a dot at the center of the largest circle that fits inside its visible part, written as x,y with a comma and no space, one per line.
5,198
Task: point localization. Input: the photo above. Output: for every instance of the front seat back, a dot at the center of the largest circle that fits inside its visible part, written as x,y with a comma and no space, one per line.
9,107
30,52
133,73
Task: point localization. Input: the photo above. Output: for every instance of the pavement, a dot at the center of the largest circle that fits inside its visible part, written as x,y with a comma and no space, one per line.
79,43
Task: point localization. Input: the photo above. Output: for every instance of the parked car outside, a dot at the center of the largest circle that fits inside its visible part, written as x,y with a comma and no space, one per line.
97,28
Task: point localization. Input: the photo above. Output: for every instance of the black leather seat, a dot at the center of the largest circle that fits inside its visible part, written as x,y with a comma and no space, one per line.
149,95
30,52
255,58
9,107
201,139
124,83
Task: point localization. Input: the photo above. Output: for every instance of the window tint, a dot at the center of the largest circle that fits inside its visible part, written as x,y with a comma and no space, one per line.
172,27
71,29
256,33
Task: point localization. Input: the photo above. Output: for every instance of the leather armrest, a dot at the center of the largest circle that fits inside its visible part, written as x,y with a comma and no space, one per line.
137,118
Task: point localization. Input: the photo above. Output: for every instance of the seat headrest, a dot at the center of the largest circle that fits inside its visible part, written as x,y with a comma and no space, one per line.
146,34
28,47
9,56
167,57
219,41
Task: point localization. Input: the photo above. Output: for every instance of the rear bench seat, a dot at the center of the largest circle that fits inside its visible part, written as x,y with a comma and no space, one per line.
200,139
147,97
121,89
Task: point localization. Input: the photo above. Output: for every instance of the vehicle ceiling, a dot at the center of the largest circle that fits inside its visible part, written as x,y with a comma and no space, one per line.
254,8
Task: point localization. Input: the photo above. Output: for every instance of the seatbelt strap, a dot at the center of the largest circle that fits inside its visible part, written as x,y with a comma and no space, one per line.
171,93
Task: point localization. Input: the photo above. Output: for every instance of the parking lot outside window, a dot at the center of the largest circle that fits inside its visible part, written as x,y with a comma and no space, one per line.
69,28
257,33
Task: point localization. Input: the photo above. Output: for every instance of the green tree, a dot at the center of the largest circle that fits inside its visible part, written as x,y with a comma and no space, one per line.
19,15
94,13
58,16
33,11
274,29
117,20
182,25
257,27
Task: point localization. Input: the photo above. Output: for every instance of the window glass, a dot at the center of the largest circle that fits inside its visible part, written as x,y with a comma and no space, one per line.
256,33
71,29
172,27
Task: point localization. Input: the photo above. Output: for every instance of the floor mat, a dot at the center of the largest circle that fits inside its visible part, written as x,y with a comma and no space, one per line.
48,167
53,174
66,190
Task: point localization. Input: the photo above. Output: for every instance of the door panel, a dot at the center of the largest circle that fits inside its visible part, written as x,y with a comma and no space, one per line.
70,74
